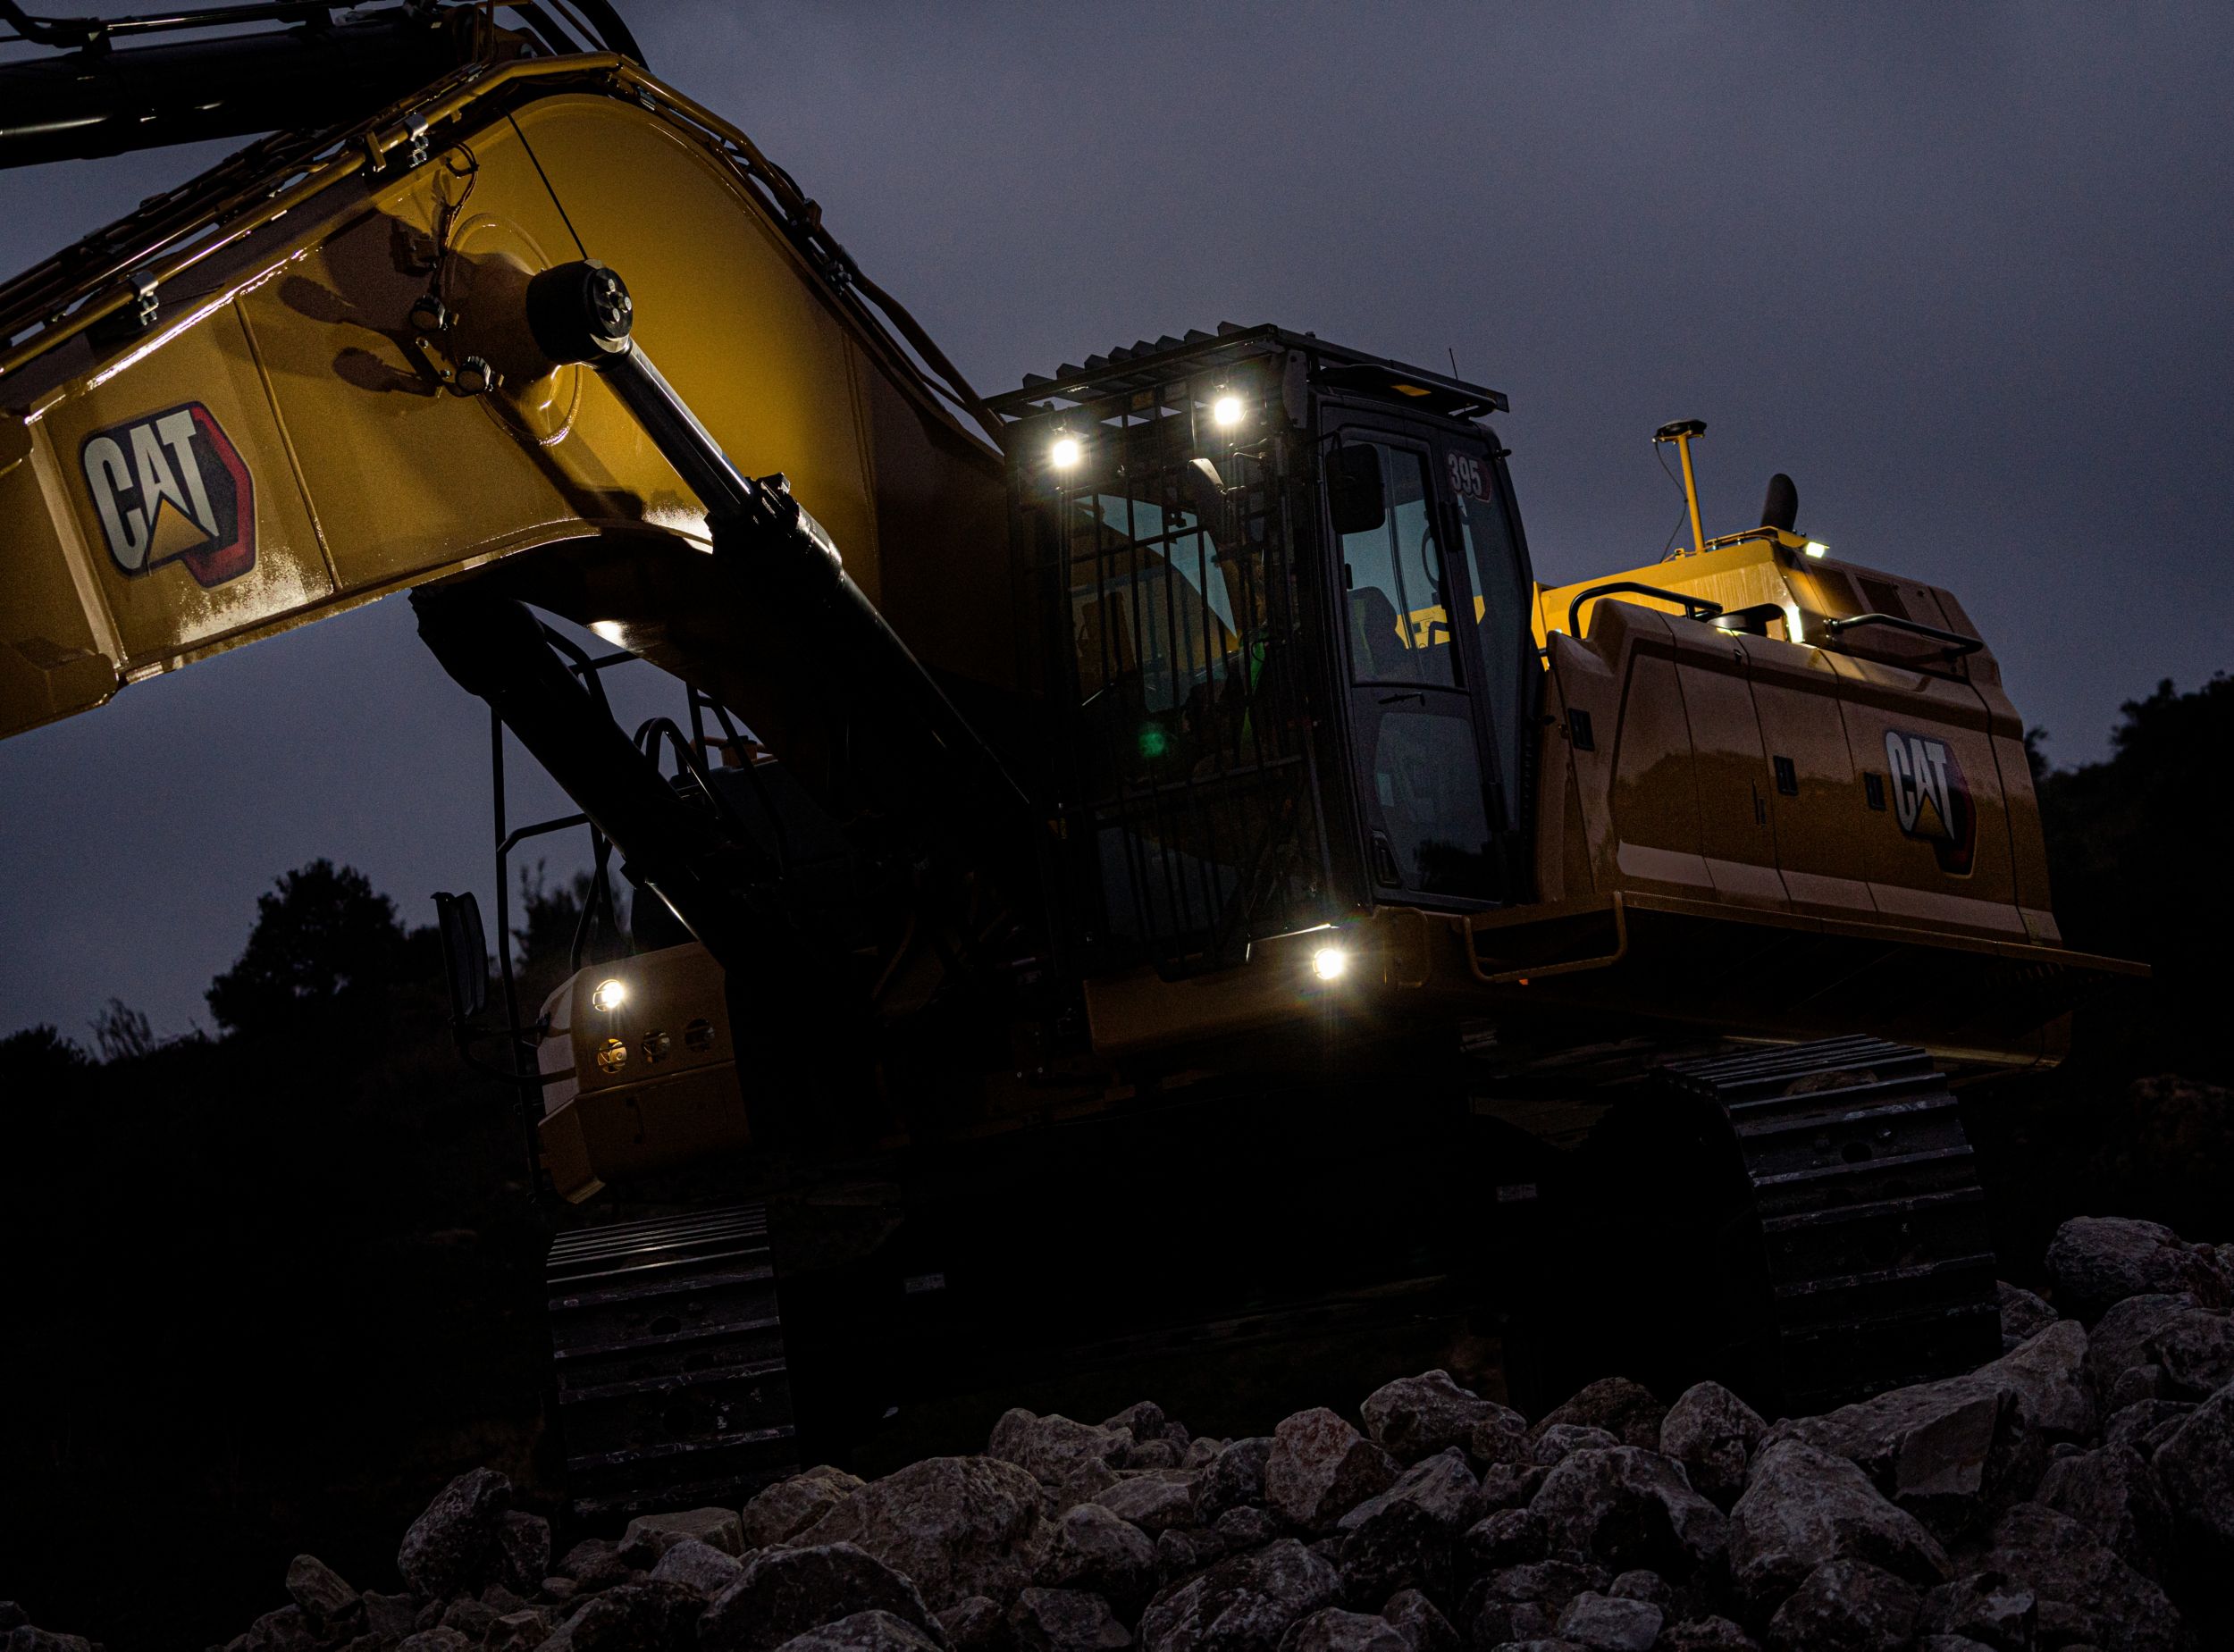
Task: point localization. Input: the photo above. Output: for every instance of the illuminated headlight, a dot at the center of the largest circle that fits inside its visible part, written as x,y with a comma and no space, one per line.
608,994
1227,411
1816,547
1329,963
1065,452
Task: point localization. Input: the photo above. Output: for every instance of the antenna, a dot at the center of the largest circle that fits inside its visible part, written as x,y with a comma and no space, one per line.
1680,432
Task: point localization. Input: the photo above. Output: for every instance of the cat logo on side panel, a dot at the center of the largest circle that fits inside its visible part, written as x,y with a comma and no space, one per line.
171,487
1931,797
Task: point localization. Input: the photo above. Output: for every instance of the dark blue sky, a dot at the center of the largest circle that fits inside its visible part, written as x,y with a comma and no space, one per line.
1964,271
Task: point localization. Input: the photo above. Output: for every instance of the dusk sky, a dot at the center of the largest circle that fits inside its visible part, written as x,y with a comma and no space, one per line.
1967,272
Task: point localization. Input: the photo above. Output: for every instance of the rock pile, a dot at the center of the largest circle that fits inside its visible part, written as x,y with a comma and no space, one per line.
2076,1493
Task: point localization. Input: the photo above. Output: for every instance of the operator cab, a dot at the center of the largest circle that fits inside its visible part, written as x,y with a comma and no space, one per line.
1288,642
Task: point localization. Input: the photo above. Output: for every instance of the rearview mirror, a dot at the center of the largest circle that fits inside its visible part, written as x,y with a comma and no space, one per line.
464,954
1353,494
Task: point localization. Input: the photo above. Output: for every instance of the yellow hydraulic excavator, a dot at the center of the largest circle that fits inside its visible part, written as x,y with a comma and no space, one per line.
1137,853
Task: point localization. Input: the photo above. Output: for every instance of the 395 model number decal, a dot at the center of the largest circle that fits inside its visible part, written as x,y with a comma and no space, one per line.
171,487
1931,797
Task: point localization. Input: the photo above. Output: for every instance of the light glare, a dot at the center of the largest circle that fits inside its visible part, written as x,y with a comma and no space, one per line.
1817,547
1065,452
608,994
1329,963
1227,411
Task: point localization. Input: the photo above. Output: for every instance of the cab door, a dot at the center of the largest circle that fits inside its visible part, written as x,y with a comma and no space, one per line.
1436,824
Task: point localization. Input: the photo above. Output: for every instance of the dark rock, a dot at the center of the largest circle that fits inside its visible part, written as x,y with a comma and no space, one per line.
1414,1417
517,1631
1960,1643
1642,1585
1630,1508
1200,1454
2120,1343
2194,1465
523,1549
469,1617
1804,1507
1501,1436
784,1592
1184,1550
558,1589
2145,1424
697,1564
1094,1550
2096,1261
1332,1630
2110,1492
1245,1604
1087,1482
2133,1385
1519,1603
1245,1526
1713,1434
1050,1448
1626,1410
1064,1620
452,1546
438,1639
1551,1445
1319,1468
1423,1628
2024,1316
787,1509
1846,1606
594,1563
864,1631
394,1615
1984,1607
502,1599
18,1633
1511,1536
1153,1502
319,1591
1706,1634
1509,1485
1610,1623
1235,1476
1399,1546
2084,1592
975,1626
717,1526
1152,1454
1144,1420
1440,1487
958,1526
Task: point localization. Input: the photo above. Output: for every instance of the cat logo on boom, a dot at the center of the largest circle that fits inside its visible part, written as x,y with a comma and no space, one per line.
1931,797
171,487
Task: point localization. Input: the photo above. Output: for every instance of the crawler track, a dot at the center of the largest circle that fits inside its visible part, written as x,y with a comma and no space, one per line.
673,1387
1880,1270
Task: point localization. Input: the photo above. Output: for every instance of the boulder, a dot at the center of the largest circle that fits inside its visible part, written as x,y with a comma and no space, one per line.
1155,1501
1846,1606
515,1631
1051,1448
2110,1492
1234,1477
1245,1604
784,1592
1144,1420
2024,1316
633,1617
1630,1508
1509,1485
1642,1584
1518,1603
697,1564
1152,1454
2096,1261
2194,1465
1415,1616
717,1526
958,1526
523,1549
1319,1468
1441,1487
1245,1526
1713,1434
2084,1592
1094,1550
787,1508
1984,1607
1626,1410
975,1626
594,1563
1415,1417
320,1591
864,1631
440,1637
2120,1341
1332,1630
1804,1507
2146,1424
1511,1536
1501,1436
1707,1634
1182,1551
1401,1545
451,1549
1610,1623
1550,1445
393,1616
1064,1620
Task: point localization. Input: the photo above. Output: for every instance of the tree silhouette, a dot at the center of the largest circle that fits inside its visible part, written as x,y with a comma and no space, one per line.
323,938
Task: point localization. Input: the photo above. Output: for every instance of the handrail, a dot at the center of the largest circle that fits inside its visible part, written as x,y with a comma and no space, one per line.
1956,643
1694,607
